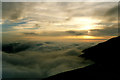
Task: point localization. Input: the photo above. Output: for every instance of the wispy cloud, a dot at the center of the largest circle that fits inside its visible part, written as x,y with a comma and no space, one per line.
62,16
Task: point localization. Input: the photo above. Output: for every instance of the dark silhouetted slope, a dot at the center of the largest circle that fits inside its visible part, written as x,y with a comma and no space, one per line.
106,63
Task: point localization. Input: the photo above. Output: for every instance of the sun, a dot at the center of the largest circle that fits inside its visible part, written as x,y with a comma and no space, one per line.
87,27
86,23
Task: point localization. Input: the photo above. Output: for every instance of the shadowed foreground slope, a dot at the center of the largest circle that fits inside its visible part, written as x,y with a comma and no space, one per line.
106,66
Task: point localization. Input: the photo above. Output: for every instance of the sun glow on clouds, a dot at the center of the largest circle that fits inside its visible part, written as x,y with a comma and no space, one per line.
75,23
64,20
89,37
86,23
84,37
78,23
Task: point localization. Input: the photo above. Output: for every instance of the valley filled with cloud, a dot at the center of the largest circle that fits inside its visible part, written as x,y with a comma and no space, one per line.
42,59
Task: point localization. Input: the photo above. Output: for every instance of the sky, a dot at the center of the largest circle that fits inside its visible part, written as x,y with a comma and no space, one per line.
59,21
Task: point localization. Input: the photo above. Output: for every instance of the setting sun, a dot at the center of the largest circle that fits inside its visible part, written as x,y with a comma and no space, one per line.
87,27
86,23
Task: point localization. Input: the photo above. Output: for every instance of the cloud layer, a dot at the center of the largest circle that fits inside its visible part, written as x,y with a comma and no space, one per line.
43,60
67,16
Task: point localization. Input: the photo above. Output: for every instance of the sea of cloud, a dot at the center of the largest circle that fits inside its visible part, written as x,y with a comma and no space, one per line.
42,59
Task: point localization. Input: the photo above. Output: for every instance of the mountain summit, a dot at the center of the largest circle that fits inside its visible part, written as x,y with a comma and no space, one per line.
106,63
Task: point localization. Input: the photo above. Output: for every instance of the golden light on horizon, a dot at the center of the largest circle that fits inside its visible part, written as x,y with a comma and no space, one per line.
83,37
89,37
